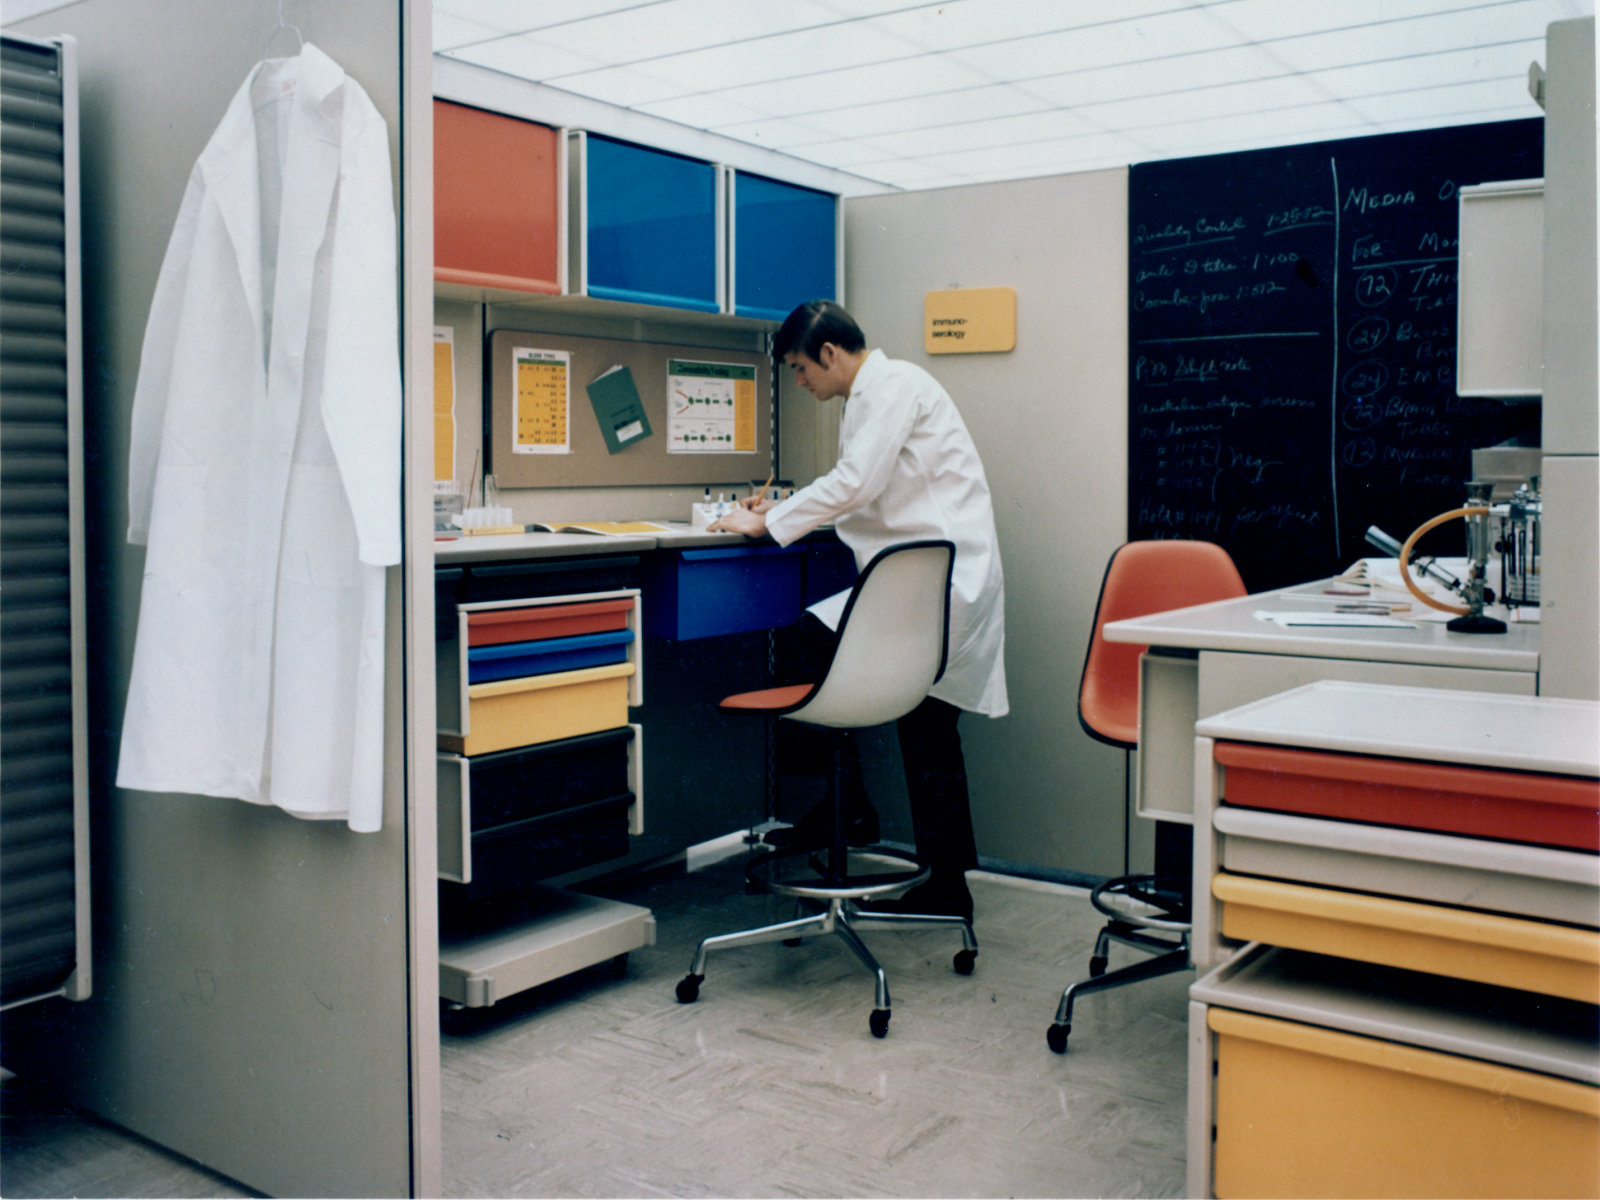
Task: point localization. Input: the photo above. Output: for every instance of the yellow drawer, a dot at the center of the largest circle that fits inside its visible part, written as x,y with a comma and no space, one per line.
1536,956
1305,1111
542,708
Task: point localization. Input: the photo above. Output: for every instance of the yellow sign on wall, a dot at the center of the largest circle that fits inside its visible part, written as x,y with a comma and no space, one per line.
970,320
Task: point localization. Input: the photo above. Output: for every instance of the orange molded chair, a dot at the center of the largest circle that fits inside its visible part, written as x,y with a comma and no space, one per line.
1147,912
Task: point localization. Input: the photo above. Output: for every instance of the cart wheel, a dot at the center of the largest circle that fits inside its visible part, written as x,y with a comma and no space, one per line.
689,988
1056,1035
964,961
619,964
879,1022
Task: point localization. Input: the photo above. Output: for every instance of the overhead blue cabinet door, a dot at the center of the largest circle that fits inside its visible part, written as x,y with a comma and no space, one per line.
652,226
784,247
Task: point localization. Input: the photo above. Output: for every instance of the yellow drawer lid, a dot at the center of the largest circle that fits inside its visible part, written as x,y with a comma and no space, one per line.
1432,920
534,683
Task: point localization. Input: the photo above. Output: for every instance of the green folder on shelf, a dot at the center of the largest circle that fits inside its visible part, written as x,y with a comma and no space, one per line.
618,409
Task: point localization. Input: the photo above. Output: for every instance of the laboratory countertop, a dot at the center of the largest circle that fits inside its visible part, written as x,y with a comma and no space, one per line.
1528,733
1234,625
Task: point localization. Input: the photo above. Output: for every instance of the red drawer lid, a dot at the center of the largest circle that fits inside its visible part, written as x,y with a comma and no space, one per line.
495,625
1557,810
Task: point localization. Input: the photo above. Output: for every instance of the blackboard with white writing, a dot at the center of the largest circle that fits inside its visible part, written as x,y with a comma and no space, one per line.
1292,345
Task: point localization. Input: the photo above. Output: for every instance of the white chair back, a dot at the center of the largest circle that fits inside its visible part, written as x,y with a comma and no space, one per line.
892,639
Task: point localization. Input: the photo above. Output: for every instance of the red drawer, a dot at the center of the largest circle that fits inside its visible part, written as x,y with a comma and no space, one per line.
495,626
1548,810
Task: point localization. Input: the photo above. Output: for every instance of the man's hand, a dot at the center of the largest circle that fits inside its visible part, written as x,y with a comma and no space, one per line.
748,521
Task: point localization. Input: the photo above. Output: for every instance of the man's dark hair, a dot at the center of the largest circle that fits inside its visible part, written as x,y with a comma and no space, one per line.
812,326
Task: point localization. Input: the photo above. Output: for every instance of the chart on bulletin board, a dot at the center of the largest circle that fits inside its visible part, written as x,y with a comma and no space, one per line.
541,415
711,408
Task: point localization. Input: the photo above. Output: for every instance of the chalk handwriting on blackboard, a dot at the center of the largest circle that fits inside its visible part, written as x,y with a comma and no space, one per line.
1292,343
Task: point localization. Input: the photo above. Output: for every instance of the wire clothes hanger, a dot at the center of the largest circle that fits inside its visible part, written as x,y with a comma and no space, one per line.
278,28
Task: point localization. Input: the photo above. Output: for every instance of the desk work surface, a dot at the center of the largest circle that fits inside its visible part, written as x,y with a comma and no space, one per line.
1233,625
488,547
1527,733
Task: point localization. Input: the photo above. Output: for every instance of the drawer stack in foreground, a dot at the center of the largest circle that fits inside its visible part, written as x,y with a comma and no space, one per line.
1414,875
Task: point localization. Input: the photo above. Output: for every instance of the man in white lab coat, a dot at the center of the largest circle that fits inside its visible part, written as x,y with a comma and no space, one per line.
907,469
264,469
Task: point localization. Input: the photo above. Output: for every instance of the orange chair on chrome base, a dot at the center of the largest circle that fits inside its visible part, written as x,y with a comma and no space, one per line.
891,649
1146,912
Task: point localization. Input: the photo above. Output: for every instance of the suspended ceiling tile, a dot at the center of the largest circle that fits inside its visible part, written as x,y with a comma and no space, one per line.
450,31
777,133
1206,104
519,16
966,23
1431,104
1122,42
653,31
523,56
978,135
704,111
1263,20
926,75
792,61
1186,72
928,112
1483,27
626,87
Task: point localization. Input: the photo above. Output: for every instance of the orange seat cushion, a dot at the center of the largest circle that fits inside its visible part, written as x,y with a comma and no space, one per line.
770,698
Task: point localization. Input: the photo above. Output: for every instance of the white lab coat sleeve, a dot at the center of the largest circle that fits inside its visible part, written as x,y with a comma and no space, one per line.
155,362
361,396
882,426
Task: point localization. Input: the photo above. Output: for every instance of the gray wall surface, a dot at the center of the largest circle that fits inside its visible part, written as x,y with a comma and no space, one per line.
250,1007
1050,420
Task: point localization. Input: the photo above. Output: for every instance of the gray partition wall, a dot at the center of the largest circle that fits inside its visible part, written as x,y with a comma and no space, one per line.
252,999
1050,420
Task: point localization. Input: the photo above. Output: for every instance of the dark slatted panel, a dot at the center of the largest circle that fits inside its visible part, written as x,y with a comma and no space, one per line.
37,893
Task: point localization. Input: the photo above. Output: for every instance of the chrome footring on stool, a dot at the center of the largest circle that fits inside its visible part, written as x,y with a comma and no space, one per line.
805,875
1134,904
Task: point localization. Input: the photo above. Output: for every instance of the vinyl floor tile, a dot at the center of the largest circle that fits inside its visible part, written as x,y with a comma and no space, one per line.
771,1084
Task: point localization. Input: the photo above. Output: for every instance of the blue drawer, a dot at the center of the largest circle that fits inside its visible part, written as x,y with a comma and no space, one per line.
703,593
514,660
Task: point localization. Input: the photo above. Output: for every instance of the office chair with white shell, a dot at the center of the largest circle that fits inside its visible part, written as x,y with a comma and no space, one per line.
891,650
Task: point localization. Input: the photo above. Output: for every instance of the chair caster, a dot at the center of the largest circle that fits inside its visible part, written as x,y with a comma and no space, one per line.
879,1022
793,941
964,961
689,988
1097,967
1056,1035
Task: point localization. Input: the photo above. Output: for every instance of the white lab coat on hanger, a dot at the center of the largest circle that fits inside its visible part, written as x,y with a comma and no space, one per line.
908,469
264,471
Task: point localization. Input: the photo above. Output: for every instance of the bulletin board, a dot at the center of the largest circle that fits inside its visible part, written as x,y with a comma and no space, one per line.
582,459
